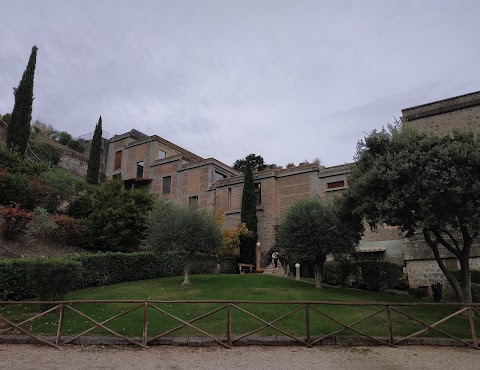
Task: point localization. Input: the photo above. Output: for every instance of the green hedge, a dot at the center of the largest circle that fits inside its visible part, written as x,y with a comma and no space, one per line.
475,293
46,279
50,279
373,275
475,275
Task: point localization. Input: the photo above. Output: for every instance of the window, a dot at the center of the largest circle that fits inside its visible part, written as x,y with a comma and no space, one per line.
218,176
167,181
193,202
336,184
140,169
118,161
258,193
229,197
117,176
161,154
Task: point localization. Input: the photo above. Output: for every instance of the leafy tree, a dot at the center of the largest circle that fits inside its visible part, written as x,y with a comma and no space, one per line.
257,163
424,184
64,137
171,227
248,215
118,218
18,131
94,157
309,231
7,118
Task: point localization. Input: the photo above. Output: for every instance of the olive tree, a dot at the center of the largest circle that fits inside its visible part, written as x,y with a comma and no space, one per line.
171,227
310,230
424,184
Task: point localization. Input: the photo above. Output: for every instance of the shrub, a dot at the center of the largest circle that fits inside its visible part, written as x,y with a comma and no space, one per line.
46,152
81,207
417,293
15,188
68,229
475,275
42,224
46,279
54,277
49,279
337,272
376,274
331,273
63,182
16,164
475,292
76,145
15,221
64,137
15,283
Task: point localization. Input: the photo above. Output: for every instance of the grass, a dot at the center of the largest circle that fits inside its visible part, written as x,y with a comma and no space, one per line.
238,287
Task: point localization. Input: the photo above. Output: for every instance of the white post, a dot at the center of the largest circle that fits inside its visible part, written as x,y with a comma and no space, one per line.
258,257
297,272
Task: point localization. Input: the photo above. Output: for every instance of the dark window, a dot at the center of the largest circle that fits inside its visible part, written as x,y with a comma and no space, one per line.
140,169
167,181
118,161
336,184
258,193
218,176
161,154
229,197
193,202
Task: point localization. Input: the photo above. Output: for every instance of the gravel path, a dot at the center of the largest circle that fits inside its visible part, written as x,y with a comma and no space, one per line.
15,357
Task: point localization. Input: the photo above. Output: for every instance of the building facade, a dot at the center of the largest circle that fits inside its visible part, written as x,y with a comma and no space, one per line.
170,171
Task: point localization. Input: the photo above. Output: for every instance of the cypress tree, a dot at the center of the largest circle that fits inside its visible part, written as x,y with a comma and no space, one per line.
19,130
248,215
94,157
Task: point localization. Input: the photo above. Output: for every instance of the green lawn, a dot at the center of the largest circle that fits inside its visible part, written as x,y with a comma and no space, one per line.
238,287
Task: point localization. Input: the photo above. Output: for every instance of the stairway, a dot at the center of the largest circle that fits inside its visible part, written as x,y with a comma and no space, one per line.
270,270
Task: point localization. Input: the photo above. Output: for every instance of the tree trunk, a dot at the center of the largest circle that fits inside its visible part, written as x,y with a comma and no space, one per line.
466,278
318,276
461,298
186,269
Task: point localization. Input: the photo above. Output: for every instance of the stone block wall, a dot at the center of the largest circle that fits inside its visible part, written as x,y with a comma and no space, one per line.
423,273
444,116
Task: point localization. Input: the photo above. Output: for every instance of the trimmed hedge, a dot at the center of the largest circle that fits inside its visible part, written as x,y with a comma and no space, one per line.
46,279
50,279
373,275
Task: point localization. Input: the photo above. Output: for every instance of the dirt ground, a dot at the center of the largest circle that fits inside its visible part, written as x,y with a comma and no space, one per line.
27,247
16,357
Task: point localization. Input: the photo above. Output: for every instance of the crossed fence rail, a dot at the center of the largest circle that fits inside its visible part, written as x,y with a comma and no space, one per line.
467,311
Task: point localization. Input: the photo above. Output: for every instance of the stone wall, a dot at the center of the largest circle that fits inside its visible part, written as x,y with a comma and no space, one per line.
423,273
444,116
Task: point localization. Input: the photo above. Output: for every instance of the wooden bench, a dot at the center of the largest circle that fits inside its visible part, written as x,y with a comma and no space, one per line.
245,267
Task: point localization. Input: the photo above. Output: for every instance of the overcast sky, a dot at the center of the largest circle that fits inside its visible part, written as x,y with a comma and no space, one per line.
291,80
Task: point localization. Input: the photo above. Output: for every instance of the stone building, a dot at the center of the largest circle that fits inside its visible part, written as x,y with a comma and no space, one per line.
440,118
170,171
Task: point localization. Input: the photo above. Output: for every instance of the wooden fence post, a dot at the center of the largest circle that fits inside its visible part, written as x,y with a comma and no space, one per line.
390,325
229,324
472,327
145,323
307,322
60,324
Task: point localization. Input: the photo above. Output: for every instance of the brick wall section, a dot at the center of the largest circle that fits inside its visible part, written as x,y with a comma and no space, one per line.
444,116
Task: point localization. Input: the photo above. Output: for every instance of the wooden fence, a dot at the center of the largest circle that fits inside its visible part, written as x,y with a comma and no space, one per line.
468,312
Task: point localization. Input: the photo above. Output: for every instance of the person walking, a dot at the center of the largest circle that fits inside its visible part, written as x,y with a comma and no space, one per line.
275,259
